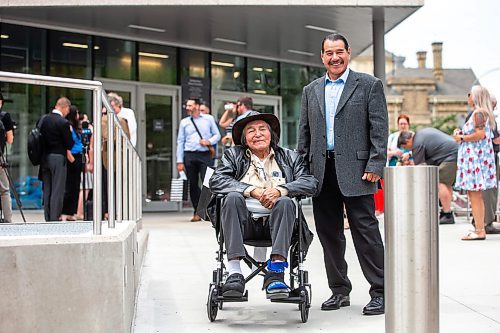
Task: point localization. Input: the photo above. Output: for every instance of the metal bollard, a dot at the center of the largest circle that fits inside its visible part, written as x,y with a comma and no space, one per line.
411,249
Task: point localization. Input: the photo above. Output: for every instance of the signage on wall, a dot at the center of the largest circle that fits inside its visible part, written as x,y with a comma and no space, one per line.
195,87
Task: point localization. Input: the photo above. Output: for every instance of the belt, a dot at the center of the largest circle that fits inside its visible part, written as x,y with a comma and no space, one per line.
330,154
196,151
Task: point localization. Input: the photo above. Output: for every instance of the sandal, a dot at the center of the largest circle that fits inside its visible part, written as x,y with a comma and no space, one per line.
474,235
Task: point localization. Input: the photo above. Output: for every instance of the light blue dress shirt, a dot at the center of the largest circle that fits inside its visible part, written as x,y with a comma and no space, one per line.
188,138
333,91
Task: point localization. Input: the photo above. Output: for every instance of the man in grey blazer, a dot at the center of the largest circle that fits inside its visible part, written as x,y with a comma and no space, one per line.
343,136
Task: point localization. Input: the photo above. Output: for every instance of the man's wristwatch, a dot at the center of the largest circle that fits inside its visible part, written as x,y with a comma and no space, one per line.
462,138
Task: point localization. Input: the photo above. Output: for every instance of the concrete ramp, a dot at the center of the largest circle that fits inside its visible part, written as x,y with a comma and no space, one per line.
59,277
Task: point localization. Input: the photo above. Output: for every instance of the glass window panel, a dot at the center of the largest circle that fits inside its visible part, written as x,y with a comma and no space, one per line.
262,76
194,63
157,63
316,72
158,146
228,72
114,58
25,105
21,49
293,79
70,55
82,99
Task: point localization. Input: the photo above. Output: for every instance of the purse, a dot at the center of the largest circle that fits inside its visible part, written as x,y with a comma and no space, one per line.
211,148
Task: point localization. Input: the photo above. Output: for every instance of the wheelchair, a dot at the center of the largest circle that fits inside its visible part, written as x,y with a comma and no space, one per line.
300,293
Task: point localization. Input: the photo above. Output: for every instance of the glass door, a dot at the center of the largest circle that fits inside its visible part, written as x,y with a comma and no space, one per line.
159,109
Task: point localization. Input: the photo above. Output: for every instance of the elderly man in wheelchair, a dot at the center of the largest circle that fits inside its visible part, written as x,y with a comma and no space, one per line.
259,180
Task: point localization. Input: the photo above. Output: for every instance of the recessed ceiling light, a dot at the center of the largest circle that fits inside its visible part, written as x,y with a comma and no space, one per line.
258,91
269,70
141,27
153,55
230,41
313,27
75,45
79,46
301,52
4,36
257,69
223,64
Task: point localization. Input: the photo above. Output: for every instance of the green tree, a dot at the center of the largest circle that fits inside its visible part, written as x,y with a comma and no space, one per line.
445,124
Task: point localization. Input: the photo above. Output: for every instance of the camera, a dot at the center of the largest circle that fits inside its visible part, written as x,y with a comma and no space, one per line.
86,133
228,106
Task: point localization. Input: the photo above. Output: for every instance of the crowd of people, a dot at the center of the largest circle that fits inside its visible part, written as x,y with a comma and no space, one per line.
66,166
467,160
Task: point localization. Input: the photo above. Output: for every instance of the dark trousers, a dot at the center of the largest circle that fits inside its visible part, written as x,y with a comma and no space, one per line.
73,180
196,165
238,225
54,182
328,209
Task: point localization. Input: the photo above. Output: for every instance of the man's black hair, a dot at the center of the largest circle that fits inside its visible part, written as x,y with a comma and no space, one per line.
195,100
333,38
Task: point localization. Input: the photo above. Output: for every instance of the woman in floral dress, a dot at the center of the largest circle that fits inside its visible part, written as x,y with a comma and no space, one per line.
476,162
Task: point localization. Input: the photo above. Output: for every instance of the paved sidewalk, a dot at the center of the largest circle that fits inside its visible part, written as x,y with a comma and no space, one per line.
180,258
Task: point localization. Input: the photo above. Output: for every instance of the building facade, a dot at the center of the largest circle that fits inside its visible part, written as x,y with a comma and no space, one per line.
428,95
156,55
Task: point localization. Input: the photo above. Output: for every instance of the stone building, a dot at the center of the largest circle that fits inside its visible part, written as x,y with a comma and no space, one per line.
425,94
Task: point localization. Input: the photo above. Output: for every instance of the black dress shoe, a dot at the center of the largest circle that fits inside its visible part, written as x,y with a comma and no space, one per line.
375,306
446,218
234,286
491,230
335,302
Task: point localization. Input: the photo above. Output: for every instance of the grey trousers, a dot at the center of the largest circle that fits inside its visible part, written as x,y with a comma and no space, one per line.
490,205
238,225
54,183
5,196
490,198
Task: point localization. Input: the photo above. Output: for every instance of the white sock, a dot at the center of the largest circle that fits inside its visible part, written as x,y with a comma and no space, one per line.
233,266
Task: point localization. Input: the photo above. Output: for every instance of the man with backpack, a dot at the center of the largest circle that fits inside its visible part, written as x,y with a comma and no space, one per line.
6,136
57,140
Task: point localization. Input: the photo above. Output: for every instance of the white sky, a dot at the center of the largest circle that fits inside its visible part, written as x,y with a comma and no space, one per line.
469,30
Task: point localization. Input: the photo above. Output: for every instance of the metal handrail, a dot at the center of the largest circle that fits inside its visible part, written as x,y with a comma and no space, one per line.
98,102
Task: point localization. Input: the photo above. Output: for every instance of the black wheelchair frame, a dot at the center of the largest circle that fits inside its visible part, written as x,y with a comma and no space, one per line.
301,295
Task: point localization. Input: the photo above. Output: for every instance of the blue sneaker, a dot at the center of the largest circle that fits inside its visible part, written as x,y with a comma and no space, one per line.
274,280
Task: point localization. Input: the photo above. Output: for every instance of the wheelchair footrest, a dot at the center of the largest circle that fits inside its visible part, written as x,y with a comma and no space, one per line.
296,300
243,298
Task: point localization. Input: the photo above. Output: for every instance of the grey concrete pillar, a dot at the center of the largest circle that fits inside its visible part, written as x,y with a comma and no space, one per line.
378,22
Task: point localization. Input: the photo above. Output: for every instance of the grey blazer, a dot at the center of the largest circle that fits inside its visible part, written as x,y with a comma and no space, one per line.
360,129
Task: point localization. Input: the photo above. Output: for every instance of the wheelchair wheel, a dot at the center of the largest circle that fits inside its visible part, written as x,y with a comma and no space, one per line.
212,305
304,306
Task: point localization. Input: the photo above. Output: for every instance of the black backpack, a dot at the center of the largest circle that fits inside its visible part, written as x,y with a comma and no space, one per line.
35,143
3,132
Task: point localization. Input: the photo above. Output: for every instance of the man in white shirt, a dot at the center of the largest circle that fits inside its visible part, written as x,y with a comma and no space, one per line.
116,102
